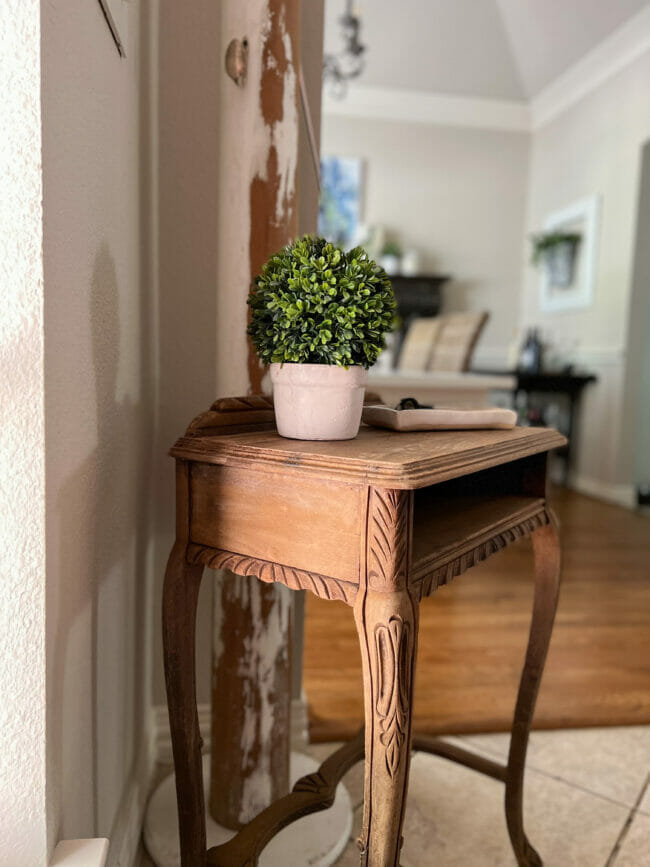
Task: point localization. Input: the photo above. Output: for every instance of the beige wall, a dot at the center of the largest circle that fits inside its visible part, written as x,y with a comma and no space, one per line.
636,407
457,195
468,199
595,147
100,389
311,47
189,70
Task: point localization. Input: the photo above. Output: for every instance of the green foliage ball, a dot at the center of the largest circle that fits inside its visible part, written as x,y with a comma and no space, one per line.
314,303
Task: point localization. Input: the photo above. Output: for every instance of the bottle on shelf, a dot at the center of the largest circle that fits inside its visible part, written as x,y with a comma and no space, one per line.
530,358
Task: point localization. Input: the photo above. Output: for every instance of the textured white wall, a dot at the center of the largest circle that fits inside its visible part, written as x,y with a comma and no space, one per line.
99,398
458,196
22,456
595,147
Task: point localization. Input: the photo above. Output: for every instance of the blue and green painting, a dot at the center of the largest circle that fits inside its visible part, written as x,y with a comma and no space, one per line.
339,207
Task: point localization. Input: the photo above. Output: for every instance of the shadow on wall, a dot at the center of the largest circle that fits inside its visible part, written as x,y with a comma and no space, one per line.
97,621
189,71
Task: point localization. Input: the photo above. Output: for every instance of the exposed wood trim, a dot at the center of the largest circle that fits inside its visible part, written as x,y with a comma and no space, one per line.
297,579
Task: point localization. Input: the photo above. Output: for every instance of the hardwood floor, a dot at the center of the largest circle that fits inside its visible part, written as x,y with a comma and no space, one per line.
473,634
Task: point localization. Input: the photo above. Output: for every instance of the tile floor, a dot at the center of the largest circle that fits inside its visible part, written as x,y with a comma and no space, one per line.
587,803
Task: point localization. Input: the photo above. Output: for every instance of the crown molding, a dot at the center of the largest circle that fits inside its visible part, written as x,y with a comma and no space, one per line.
613,54
420,106
610,56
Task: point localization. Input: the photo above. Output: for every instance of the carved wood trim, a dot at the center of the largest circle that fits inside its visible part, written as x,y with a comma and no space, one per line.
446,572
316,784
297,579
393,679
388,539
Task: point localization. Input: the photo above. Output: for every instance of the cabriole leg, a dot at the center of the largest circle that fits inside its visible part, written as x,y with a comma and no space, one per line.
180,595
546,550
387,625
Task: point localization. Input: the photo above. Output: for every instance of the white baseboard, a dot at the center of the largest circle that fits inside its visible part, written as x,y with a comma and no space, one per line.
620,495
127,828
80,853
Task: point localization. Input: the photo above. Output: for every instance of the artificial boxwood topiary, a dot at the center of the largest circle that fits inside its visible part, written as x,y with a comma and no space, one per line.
314,303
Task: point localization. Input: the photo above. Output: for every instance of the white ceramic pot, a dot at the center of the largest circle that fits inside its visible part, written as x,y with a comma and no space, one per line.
318,401
410,264
390,264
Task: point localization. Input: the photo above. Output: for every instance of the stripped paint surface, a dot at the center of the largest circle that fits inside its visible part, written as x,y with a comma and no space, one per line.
251,702
258,210
273,210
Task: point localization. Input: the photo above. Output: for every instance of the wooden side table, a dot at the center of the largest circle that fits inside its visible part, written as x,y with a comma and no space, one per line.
378,522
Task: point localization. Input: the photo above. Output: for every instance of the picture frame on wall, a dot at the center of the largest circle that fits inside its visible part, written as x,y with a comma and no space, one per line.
581,218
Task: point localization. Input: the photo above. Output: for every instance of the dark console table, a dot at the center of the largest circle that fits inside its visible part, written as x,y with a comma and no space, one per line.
416,296
569,384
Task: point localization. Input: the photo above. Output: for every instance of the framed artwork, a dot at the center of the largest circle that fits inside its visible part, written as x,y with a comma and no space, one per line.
573,288
339,206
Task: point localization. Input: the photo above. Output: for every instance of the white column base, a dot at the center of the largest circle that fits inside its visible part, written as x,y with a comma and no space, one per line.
316,840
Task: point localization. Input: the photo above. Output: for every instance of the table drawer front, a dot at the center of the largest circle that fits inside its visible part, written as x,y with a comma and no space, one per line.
309,524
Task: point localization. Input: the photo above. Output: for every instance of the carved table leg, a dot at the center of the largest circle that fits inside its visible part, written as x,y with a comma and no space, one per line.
547,584
387,625
180,595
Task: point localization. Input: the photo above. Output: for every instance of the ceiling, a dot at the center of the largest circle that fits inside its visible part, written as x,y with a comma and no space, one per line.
499,49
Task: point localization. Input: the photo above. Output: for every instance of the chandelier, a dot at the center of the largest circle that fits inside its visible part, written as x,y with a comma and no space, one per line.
349,63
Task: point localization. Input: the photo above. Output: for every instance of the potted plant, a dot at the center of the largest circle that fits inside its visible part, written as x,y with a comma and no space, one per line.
319,318
391,257
557,251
